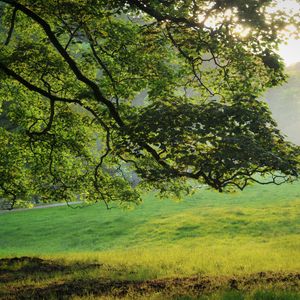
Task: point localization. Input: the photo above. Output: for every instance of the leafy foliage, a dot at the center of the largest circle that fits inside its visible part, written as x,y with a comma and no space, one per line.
71,72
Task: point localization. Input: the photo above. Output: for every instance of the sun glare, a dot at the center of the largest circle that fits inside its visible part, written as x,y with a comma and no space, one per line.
290,51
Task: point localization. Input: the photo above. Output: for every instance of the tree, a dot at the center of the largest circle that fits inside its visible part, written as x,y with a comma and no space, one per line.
71,71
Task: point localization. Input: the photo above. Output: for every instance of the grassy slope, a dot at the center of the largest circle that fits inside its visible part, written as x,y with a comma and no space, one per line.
257,230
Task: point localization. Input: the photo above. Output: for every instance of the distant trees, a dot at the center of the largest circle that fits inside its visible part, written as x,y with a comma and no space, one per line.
71,70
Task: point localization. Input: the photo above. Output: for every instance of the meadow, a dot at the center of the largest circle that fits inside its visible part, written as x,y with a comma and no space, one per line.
244,245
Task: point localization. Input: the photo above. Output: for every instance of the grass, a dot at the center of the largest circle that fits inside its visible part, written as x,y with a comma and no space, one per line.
207,234
34,278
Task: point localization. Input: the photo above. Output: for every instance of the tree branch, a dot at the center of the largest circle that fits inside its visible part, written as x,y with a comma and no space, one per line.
67,58
12,25
48,95
162,17
102,64
32,87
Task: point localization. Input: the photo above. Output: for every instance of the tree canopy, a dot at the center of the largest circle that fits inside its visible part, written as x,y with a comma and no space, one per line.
95,91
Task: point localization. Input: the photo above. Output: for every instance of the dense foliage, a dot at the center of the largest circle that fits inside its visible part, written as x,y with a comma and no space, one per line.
94,92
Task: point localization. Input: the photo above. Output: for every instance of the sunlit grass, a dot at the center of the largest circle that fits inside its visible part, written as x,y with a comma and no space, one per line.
211,257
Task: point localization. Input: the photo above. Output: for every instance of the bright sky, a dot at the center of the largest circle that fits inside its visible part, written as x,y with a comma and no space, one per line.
291,51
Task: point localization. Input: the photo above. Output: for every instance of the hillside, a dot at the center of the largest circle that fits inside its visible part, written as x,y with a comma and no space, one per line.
261,215
208,244
284,102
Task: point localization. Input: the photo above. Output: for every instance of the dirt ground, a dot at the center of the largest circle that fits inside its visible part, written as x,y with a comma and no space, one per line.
53,280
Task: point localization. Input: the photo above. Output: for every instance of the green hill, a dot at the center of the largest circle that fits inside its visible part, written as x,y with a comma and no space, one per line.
284,102
210,246
255,230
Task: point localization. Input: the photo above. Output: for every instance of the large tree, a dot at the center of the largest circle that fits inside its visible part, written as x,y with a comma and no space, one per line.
94,91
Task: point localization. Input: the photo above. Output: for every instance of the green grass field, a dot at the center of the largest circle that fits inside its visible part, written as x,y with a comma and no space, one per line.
207,234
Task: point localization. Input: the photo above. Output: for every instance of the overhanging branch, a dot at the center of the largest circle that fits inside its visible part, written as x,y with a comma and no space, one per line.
12,25
67,58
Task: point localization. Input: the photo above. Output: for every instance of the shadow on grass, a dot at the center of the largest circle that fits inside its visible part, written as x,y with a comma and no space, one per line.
35,278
